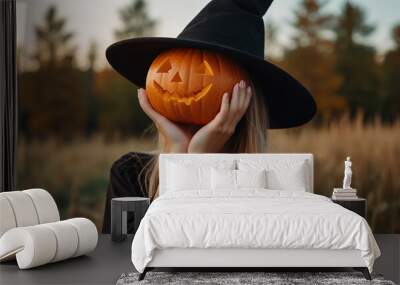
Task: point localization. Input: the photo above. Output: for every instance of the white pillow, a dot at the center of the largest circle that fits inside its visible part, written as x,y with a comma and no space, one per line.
281,174
237,179
185,175
290,179
251,178
223,179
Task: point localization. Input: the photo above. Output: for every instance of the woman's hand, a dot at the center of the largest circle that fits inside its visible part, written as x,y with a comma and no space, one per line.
212,136
175,137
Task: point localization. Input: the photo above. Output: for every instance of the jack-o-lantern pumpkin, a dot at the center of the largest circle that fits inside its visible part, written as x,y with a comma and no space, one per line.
186,84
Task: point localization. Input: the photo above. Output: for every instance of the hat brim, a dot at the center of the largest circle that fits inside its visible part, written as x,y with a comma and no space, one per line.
288,102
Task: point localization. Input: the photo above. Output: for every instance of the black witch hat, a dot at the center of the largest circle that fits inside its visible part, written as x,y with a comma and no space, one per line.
236,29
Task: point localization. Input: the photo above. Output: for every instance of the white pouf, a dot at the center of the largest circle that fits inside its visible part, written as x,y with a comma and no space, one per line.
23,208
40,244
7,220
31,230
26,208
87,233
66,237
45,205
32,246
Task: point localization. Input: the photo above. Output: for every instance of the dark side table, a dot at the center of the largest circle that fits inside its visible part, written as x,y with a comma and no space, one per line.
358,205
119,213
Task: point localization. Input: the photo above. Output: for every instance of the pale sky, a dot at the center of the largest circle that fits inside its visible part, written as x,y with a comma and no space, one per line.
97,19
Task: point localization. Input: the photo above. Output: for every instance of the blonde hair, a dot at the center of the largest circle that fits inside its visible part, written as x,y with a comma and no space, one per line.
250,136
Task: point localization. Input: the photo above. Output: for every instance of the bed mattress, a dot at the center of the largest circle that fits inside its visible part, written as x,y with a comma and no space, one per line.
250,219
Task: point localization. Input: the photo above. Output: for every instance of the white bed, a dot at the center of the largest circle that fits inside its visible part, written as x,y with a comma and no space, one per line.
282,224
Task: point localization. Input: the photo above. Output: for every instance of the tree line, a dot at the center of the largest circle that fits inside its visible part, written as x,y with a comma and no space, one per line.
328,54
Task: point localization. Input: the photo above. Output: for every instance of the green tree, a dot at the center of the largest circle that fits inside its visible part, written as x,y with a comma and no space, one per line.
311,58
91,98
135,21
390,78
53,42
271,40
120,112
356,61
52,101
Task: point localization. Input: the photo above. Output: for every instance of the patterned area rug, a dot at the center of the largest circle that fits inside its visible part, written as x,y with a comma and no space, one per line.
230,278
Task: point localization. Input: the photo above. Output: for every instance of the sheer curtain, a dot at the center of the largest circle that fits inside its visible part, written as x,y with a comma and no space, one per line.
8,95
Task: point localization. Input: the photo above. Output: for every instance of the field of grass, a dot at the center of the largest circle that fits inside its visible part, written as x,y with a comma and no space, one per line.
375,152
76,173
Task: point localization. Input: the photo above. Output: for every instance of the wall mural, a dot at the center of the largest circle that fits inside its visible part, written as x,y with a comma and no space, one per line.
78,115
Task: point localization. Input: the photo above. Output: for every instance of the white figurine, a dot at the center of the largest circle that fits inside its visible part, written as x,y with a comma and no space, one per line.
347,174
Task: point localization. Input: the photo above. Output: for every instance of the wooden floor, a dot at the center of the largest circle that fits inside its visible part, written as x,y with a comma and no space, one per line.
110,260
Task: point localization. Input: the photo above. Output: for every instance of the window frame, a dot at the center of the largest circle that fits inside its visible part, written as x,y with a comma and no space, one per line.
8,96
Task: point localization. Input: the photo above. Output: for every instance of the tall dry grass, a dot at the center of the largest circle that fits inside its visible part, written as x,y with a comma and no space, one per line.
375,151
77,173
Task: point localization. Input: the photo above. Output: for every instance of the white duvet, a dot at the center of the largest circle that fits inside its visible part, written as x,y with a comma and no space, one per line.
251,218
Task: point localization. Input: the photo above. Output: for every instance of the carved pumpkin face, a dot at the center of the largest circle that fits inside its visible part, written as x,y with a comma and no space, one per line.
186,84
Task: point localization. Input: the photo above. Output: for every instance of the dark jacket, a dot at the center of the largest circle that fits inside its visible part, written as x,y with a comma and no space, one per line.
124,181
